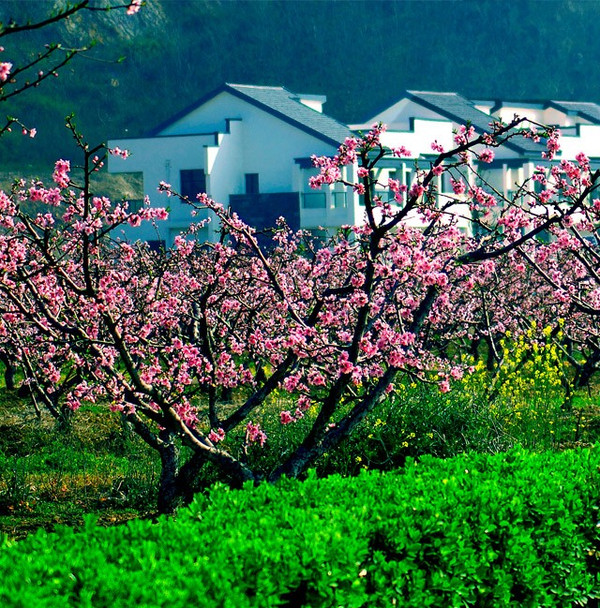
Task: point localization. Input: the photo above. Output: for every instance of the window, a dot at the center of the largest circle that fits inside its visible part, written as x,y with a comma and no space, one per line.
339,200
252,183
192,181
156,245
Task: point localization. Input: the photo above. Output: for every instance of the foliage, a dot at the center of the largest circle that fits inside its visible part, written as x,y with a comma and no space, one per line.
97,466
418,420
471,531
295,44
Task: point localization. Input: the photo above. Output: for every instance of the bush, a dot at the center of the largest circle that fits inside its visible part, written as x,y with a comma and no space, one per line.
507,530
418,420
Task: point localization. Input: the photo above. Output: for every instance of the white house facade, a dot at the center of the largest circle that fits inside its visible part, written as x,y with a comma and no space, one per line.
515,162
249,147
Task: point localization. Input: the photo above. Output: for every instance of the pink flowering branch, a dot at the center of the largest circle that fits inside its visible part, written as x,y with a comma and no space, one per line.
164,338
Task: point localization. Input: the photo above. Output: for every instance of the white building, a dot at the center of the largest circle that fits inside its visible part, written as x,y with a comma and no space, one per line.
250,146
246,146
514,162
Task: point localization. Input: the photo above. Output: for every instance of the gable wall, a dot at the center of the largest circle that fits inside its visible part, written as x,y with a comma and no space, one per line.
257,142
267,145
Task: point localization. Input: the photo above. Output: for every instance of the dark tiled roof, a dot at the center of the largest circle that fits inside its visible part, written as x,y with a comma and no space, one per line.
279,102
455,107
462,111
588,110
285,103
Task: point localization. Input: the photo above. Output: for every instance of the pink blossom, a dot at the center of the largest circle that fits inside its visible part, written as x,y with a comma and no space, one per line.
552,145
5,69
164,187
61,173
416,190
486,156
286,417
401,152
134,7
456,373
463,135
345,366
254,434
216,436
444,386
116,151
458,186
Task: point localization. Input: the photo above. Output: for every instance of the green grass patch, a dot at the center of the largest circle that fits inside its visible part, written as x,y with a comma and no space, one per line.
514,529
48,476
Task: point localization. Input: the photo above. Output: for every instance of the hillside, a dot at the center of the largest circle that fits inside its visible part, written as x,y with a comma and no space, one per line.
362,55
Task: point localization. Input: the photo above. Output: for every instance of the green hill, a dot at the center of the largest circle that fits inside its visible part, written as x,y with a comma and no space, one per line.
362,55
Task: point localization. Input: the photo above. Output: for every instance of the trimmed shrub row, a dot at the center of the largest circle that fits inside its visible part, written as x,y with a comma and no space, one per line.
515,529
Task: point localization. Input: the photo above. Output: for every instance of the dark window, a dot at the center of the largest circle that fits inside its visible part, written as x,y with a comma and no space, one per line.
252,183
156,245
193,181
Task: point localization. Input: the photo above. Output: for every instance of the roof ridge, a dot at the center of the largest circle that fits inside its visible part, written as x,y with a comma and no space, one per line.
256,86
414,92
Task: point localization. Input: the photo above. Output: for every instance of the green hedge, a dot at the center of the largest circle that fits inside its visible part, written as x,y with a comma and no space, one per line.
516,529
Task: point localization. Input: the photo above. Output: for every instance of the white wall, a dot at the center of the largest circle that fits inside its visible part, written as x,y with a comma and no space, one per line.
418,141
257,142
161,159
588,142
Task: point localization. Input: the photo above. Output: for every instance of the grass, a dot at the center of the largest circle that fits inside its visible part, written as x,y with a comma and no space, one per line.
99,467
48,477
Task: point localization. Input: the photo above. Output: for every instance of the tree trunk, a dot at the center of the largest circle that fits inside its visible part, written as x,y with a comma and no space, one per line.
169,495
9,371
587,370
